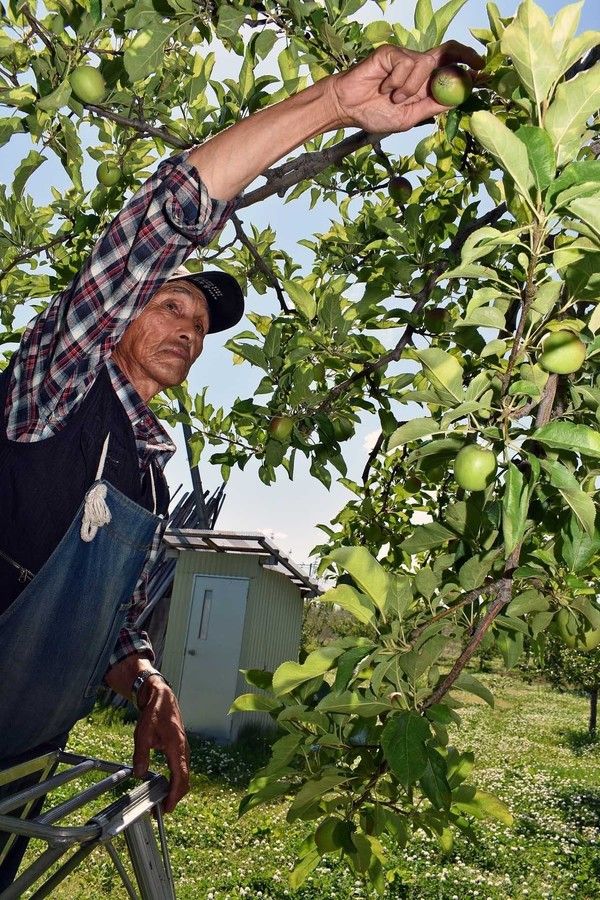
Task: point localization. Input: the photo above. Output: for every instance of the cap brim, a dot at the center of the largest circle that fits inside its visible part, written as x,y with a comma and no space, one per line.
223,295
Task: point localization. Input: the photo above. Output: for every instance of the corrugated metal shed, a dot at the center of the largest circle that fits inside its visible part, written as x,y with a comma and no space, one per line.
237,603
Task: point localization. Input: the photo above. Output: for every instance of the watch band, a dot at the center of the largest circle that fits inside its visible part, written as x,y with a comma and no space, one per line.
141,679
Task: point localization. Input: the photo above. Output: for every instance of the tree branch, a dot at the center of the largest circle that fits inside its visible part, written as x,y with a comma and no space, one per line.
260,263
60,239
141,126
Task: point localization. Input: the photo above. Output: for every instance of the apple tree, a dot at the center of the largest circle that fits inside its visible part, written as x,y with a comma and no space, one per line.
462,316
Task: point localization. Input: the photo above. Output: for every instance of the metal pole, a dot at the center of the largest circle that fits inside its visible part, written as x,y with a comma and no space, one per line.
201,511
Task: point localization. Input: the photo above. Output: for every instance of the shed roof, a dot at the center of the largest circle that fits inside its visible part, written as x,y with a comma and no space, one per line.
202,540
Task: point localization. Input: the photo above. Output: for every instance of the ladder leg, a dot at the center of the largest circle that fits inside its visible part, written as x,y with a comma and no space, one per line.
150,871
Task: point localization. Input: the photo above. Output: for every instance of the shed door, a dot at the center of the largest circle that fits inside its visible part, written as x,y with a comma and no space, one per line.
212,654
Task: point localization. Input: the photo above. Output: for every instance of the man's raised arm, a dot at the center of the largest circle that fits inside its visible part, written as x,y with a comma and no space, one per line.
385,93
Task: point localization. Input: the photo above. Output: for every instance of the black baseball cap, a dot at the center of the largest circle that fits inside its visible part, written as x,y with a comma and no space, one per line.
223,295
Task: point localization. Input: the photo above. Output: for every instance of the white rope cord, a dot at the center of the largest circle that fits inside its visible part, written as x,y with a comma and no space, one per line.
95,512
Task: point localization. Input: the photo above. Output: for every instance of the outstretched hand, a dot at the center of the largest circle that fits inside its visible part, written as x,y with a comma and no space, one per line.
389,90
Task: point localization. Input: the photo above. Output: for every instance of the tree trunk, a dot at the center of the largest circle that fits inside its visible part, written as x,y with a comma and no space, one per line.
593,709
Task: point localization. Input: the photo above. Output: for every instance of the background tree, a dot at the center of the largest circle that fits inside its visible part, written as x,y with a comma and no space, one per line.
575,669
485,283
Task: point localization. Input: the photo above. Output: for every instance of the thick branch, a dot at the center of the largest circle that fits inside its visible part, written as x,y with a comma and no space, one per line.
37,28
503,596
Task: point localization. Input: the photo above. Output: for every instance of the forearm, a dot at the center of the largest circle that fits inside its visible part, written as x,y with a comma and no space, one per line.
121,676
228,162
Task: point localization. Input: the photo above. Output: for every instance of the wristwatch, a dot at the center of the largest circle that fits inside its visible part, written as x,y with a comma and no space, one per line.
141,679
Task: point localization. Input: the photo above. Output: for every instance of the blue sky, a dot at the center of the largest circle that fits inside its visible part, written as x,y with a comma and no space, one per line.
288,511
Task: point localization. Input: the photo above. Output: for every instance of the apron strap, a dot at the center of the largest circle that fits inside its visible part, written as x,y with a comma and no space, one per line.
95,512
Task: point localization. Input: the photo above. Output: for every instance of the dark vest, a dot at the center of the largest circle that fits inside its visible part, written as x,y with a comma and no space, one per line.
42,483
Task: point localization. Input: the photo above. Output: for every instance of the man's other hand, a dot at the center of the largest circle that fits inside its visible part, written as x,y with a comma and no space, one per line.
389,90
160,727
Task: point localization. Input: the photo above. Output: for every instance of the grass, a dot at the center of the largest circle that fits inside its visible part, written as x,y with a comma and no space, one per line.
531,749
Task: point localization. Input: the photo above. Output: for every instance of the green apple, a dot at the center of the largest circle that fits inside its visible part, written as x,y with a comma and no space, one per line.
332,834
88,84
563,352
412,484
450,85
566,627
475,467
108,174
423,149
281,427
400,189
436,320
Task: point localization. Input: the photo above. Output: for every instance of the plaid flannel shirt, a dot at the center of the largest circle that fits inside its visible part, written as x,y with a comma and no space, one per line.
64,348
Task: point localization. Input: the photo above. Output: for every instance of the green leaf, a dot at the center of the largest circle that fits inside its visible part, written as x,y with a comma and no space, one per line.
303,868
506,148
527,41
566,120
434,780
527,602
444,16
542,158
443,371
567,436
253,703
259,678
471,685
416,662
515,504
290,675
57,98
480,804
10,126
144,55
303,301
351,703
427,536
411,431
313,790
366,571
588,210
473,572
423,14
403,740
230,21
579,548
580,502
25,169
348,598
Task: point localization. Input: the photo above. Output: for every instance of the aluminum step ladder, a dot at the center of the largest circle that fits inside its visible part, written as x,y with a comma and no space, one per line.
130,815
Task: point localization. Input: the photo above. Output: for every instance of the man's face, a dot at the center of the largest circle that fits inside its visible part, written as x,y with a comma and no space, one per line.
158,349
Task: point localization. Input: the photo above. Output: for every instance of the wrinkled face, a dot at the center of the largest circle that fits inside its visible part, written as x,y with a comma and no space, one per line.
159,347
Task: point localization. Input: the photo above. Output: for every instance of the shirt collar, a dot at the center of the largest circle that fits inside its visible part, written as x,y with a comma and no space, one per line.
150,435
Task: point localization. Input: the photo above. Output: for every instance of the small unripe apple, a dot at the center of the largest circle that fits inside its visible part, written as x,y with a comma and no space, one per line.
475,467
88,84
436,320
281,427
450,85
400,189
412,484
562,352
108,173
566,626
423,149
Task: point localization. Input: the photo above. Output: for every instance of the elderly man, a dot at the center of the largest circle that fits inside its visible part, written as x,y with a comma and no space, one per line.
81,455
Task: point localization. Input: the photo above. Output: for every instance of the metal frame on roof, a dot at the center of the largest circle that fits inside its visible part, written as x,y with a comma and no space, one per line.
242,542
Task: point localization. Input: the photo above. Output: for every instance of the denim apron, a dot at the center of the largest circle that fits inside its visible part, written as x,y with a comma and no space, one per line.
57,637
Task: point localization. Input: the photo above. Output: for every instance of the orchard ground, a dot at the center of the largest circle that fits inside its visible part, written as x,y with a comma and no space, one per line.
532,751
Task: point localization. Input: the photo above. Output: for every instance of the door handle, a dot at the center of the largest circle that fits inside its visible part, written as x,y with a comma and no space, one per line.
191,652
